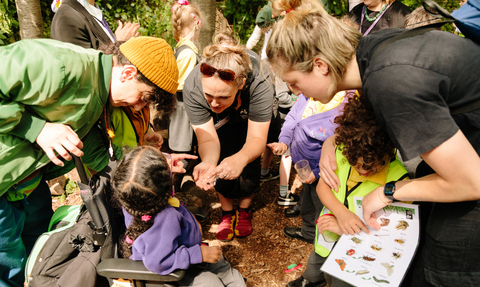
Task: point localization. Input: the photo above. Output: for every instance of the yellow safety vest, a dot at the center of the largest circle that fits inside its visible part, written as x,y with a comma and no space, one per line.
396,171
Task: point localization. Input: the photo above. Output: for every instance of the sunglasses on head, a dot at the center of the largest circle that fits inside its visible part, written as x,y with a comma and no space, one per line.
224,74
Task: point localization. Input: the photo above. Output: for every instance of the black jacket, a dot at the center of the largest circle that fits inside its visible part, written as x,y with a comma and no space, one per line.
73,24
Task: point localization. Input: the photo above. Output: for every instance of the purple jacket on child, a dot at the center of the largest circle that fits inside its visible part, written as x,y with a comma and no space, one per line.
173,242
306,136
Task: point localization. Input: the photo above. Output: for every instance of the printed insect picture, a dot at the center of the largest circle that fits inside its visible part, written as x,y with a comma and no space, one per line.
396,255
342,263
356,240
368,258
389,268
350,252
380,280
385,222
362,272
376,247
402,225
400,241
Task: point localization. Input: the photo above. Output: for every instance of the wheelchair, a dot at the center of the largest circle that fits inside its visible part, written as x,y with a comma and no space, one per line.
102,226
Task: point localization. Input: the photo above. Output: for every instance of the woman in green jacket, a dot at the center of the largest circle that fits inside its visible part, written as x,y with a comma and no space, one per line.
49,103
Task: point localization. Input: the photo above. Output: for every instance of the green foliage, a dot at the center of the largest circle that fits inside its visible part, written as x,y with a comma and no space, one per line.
336,7
152,15
70,188
8,22
241,14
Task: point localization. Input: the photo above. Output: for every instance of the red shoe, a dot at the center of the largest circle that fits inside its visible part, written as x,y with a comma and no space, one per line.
225,229
244,223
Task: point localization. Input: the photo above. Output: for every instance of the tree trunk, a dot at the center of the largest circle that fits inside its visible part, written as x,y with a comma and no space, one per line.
208,10
30,18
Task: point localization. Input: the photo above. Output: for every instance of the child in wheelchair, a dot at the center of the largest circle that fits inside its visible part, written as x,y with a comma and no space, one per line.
160,230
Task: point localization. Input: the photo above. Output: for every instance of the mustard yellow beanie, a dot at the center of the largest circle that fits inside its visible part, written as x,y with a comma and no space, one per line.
154,58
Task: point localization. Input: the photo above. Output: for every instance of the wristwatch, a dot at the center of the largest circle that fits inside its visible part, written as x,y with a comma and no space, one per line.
389,191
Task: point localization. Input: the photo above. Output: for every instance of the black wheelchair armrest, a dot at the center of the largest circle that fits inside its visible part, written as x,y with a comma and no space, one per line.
200,213
134,270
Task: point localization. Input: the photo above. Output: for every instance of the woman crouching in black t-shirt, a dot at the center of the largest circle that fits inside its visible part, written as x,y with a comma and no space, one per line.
229,104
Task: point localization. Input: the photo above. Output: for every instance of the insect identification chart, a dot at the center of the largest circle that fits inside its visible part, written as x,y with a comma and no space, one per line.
382,257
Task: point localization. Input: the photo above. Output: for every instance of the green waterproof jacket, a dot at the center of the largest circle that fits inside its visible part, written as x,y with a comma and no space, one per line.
41,81
396,171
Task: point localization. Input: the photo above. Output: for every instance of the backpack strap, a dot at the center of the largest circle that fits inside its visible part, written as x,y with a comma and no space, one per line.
177,52
183,47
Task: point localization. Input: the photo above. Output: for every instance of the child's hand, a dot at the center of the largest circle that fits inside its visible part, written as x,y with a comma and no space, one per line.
350,223
311,178
278,148
177,165
211,254
329,223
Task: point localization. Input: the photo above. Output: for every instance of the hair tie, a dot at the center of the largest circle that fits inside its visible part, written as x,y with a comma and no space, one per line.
289,10
183,2
227,46
146,217
128,240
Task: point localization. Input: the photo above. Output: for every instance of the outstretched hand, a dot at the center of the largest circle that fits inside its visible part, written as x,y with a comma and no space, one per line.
60,138
371,203
203,175
350,223
278,148
177,164
127,31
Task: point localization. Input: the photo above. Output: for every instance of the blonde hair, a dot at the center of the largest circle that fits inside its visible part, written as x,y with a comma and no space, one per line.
225,53
420,17
306,34
182,20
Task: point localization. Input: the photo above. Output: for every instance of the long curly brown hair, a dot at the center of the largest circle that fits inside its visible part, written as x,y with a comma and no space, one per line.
361,135
142,185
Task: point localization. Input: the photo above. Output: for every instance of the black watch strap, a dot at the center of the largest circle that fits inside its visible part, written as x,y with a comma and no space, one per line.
389,191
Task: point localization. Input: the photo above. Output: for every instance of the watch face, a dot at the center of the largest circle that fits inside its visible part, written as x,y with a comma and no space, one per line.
389,189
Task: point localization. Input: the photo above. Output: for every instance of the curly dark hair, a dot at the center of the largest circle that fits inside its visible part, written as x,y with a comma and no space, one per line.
361,135
162,100
142,185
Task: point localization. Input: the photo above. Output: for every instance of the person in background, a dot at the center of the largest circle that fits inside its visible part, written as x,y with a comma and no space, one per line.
186,25
229,103
306,127
264,21
377,15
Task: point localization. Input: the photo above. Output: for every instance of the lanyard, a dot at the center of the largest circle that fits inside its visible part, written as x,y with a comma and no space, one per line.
373,24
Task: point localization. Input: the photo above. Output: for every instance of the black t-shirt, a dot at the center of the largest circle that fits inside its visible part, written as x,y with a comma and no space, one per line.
256,98
394,17
412,83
